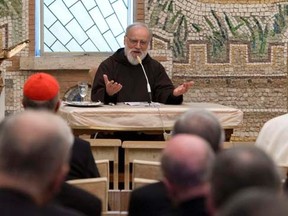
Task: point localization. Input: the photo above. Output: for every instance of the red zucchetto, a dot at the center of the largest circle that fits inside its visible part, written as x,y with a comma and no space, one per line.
41,86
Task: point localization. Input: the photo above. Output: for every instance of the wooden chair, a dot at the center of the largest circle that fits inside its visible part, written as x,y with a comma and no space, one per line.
144,172
95,186
104,169
140,182
140,150
283,171
107,149
114,213
125,197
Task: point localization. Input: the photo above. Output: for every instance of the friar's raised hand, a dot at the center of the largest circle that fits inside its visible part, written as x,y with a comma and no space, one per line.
111,86
182,89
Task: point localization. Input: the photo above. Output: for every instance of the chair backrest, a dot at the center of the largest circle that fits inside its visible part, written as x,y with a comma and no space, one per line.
144,172
103,168
114,213
140,182
107,149
283,171
146,169
140,150
95,186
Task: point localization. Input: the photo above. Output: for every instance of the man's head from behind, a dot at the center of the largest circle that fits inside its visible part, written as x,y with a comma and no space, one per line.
186,163
241,168
41,91
201,123
255,202
34,153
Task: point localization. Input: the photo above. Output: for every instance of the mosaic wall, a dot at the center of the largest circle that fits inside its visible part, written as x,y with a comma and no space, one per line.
11,25
218,25
13,30
235,51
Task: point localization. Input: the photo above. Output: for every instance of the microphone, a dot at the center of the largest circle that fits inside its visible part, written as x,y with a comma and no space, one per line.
148,85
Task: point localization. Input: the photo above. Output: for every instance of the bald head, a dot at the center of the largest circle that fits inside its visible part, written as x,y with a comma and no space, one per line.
33,146
186,160
202,123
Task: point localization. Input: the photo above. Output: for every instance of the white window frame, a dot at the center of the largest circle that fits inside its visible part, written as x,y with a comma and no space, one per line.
39,30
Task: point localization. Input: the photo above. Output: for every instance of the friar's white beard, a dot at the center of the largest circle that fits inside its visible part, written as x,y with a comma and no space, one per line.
133,60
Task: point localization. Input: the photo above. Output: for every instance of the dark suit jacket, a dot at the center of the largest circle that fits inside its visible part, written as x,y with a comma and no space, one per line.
80,200
13,202
82,164
196,206
151,199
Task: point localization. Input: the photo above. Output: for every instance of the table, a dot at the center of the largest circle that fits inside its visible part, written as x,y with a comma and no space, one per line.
148,119
123,117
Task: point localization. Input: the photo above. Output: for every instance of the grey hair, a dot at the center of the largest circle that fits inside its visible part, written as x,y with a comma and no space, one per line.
34,145
139,24
45,105
202,123
240,168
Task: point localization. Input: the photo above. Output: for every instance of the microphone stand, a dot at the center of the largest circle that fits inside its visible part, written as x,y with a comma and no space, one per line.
148,84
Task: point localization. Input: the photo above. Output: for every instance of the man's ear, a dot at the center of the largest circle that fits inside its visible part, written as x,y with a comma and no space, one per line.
210,203
23,104
169,187
55,184
171,190
57,105
59,178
